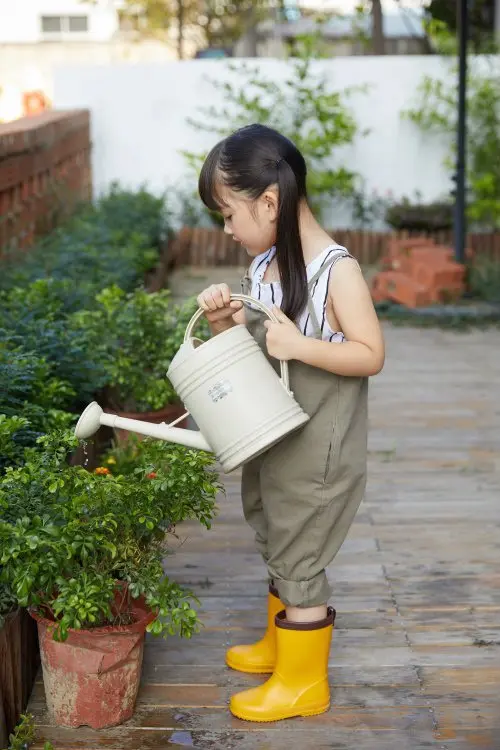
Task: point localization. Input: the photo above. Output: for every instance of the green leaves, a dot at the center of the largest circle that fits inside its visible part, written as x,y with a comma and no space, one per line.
135,335
82,602
113,241
435,112
67,536
32,400
45,364
24,734
304,107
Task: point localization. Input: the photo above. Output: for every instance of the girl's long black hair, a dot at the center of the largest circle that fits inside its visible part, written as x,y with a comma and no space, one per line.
250,161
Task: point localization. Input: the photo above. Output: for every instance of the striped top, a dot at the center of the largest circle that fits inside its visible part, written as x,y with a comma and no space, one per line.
270,293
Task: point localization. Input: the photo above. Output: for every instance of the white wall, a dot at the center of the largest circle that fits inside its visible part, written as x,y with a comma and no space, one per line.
20,21
26,67
139,120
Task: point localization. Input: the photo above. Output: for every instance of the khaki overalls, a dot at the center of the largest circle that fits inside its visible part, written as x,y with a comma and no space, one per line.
301,496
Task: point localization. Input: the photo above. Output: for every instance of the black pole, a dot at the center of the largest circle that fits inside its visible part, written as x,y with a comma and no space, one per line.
460,203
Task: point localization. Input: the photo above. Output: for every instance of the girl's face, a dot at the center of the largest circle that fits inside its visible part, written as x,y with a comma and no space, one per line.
251,222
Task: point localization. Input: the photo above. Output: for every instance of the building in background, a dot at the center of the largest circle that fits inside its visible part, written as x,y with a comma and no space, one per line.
36,36
48,21
344,35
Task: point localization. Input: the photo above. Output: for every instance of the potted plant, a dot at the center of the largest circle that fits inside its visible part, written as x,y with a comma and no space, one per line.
84,552
135,336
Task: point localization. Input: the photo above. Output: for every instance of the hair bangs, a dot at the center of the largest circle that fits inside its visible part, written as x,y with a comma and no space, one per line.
211,181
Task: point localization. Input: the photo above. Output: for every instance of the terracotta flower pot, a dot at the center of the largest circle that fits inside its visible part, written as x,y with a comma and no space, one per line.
168,414
93,677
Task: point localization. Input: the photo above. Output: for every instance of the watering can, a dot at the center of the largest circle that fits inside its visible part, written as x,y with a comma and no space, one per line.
231,390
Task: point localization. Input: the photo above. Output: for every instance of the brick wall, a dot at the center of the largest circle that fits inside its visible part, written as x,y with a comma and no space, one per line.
44,171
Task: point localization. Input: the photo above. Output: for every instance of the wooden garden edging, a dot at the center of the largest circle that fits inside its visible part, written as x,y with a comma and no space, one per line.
200,246
19,663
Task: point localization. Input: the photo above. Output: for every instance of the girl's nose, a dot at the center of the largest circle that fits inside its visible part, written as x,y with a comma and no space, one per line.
227,230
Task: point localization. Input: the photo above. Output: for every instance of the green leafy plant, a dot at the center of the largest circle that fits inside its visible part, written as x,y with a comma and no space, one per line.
8,602
440,24
25,734
124,458
9,451
33,322
304,107
135,336
435,113
32,401
114,241
72,542
137,211
484,280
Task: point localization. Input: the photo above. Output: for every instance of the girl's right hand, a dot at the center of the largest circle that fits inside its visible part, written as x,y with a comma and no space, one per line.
217,304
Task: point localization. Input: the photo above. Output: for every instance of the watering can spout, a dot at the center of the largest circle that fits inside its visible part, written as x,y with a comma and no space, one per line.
93,417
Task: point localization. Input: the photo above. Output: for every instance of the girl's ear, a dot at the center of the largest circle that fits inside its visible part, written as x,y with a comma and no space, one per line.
270,204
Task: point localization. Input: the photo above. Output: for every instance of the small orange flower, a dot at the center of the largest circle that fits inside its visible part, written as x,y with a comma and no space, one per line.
152,475
102,470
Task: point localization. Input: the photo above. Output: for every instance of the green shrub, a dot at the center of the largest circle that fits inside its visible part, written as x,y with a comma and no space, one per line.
135,211
420,217
134,337
115,241
32,402
69,538
435,113
484,280
33,320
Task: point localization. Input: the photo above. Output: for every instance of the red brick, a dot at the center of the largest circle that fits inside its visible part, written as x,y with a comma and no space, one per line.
400,288
35,152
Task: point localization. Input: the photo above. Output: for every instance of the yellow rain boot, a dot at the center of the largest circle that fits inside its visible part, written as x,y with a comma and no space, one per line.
260,657
299,684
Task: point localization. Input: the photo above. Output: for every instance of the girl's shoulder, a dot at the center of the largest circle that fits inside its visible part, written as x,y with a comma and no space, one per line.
339,252
325,261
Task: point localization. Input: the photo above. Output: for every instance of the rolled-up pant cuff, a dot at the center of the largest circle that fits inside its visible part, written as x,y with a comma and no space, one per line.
313,593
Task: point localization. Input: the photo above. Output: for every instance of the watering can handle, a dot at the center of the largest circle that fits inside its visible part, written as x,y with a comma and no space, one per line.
263,308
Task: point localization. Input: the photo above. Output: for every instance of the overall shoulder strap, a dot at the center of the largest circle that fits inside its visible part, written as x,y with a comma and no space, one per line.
337,254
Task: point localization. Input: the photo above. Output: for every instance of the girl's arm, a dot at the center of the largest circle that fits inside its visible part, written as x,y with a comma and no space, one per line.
363,353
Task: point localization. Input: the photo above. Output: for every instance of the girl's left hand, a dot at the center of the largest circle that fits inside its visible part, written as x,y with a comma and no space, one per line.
283,339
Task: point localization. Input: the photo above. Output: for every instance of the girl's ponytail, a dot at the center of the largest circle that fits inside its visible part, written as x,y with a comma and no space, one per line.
289,254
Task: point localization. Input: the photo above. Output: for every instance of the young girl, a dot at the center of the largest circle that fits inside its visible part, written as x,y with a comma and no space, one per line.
301,496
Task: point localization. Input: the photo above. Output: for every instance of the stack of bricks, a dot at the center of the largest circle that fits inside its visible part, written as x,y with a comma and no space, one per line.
417,272
44,172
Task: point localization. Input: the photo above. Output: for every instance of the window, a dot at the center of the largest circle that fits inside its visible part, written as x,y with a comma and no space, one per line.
64,24
78,23
51,24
